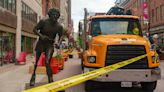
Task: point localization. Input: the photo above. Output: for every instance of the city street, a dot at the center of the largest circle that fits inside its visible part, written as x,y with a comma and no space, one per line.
13,79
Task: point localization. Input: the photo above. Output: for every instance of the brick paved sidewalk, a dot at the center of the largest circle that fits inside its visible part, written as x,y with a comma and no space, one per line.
12,66
13,77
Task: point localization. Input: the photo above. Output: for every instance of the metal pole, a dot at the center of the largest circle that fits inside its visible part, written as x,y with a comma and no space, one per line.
1,49
85,28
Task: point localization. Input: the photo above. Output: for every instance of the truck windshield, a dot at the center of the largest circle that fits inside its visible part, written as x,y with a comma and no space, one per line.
115,26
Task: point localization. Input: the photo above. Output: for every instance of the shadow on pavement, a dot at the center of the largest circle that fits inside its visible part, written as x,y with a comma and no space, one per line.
116,88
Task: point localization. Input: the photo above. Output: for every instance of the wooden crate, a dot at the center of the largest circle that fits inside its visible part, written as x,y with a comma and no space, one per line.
39,70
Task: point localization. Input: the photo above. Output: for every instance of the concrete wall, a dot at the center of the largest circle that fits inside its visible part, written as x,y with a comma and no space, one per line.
7,18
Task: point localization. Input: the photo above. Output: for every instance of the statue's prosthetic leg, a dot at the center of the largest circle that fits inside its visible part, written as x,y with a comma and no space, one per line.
32,81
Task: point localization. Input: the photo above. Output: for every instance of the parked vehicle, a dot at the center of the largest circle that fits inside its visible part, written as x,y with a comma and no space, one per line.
114,38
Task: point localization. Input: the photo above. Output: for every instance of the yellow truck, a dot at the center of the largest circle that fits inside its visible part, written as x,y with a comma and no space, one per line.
113,38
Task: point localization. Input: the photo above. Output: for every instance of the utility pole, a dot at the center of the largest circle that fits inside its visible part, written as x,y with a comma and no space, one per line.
85,28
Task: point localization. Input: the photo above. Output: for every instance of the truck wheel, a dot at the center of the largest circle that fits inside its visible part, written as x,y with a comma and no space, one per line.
88,85
149,86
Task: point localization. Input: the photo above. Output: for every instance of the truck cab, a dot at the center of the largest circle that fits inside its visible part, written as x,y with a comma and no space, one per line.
115,38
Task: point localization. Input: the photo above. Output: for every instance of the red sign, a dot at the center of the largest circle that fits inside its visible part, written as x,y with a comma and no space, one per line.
145,11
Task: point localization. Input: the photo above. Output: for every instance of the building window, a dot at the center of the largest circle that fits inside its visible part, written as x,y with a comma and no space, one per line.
138,4
152,15
14,6
135,5
161,40
9,5
162,12
1,3
7,45
6,4
157,13
28,13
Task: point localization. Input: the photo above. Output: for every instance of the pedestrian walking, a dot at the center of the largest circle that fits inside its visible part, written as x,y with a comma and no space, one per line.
155,44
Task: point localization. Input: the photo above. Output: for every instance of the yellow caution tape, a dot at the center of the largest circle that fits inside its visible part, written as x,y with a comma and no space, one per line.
156,58
73,52
77,79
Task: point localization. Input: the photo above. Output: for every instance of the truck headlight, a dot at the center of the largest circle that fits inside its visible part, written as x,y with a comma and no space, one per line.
92,59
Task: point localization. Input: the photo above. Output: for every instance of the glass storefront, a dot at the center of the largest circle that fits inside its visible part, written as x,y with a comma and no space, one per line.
7,45
27,44
23,43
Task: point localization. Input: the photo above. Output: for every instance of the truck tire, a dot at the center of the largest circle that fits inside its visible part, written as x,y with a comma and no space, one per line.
88,85
149,86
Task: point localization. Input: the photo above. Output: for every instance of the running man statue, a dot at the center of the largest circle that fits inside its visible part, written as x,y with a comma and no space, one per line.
46,30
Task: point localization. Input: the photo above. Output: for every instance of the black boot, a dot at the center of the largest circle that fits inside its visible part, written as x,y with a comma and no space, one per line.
50,79
32,81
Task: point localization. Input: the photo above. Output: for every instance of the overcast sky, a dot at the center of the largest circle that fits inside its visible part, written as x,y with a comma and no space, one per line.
91,5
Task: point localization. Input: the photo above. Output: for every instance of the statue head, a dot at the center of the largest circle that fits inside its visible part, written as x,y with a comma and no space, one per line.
54,14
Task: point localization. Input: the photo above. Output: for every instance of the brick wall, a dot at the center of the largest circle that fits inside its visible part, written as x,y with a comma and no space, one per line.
27,26
51,4
136,7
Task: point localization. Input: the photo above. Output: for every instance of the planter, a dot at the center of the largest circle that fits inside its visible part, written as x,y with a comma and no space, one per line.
65,56
55,69
53,62
59,63
22,58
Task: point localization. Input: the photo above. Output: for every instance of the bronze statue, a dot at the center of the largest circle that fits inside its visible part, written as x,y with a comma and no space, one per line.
47,29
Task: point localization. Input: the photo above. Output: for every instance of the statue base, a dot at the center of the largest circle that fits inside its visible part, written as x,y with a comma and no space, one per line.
27,86
39,69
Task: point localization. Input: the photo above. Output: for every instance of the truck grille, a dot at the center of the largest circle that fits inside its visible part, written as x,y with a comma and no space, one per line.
117,53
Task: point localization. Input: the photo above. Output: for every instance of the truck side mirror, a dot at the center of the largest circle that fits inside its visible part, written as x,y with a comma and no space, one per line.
128,12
